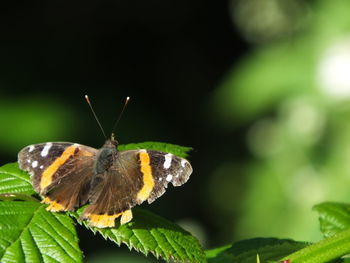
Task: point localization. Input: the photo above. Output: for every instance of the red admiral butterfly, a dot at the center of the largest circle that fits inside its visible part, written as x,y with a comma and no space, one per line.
70,175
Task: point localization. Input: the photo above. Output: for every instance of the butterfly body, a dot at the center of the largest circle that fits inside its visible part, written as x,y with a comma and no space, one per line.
106,157
70,175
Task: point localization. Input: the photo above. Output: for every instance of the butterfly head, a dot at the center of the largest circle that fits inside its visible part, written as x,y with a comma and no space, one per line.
111,143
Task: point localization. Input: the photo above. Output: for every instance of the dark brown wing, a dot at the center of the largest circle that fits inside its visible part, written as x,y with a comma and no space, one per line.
59,171
114,191
167,168
136,176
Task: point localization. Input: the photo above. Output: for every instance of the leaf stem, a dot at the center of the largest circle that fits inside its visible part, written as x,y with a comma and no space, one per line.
323,251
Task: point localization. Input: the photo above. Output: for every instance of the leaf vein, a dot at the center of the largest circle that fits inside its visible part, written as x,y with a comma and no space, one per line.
22,178
177,246
162,250
24,229
62,245
36,245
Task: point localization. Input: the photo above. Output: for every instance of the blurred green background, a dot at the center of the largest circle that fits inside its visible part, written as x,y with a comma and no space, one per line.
259,88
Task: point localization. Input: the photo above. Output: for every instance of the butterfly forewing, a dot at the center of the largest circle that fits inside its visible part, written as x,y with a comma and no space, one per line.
167,168
153,171
60,171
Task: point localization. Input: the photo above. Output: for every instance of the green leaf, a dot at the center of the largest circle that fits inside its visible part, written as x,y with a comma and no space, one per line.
17,197
14,180
276,78
29,233
212,253
177,150
334,217
149,233
246,251
326,250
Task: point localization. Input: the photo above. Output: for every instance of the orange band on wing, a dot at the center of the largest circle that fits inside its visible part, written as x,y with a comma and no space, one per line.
102,220
46,178
148,181
106,220
53,205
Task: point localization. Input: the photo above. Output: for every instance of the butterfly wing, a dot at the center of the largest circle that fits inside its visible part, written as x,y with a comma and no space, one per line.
167,168
59,171
136,176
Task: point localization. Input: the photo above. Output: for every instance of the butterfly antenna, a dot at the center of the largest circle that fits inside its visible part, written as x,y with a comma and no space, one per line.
120,115
93,112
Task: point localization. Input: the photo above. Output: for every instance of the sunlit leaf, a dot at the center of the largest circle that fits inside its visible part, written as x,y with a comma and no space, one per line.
212,253
29,233
334,217
178,150
14,180
149,233
246,251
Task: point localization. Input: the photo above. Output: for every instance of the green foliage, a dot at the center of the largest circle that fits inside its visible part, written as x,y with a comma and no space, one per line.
14,180
334,217
29,233
178,150
334,223
149,233
294,114
20,113
212,253
246,251
332,248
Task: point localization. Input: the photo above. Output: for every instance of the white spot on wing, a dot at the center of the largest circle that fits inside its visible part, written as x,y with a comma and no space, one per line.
34,164
46,149
28,161
169,177
167,163
183,162
31,148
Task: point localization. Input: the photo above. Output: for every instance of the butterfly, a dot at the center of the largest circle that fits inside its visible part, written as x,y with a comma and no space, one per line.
112,182
69,175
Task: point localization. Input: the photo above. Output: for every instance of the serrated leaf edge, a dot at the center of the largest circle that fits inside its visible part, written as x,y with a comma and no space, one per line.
142,249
